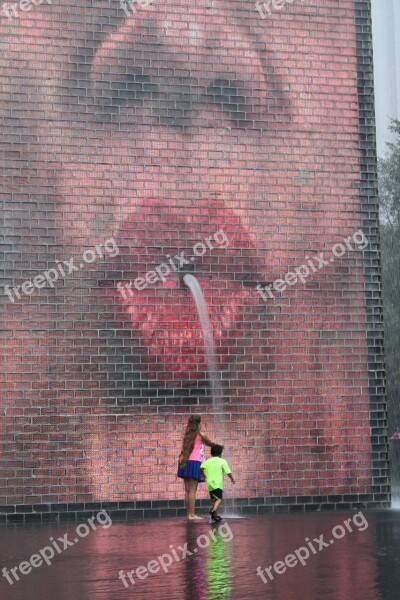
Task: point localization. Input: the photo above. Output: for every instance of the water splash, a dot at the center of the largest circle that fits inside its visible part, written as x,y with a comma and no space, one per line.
395,468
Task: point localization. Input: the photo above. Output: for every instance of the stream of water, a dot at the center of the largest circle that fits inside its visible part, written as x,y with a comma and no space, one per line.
214,373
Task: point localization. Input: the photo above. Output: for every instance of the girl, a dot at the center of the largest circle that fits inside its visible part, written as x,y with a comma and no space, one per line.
190,459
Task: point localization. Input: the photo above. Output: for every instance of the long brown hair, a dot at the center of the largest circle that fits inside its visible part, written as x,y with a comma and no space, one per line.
192,429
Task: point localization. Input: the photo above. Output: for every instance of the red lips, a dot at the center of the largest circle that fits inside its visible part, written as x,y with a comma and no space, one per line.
157,319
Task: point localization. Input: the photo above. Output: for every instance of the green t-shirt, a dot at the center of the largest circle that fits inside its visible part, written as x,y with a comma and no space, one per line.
214,469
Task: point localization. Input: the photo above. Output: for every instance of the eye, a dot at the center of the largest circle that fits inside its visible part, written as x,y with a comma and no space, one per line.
135,86
231,97
226,94
137,94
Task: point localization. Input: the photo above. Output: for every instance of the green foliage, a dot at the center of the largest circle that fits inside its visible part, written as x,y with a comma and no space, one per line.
389,203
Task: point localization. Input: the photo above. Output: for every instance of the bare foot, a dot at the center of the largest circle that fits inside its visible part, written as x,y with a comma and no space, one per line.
195,518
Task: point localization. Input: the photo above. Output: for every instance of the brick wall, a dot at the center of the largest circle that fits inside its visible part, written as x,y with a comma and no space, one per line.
131,134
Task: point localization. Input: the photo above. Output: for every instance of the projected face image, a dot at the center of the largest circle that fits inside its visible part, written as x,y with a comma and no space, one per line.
184,132
162,116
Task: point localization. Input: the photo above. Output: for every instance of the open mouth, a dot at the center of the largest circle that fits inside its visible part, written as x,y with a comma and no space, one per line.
155,312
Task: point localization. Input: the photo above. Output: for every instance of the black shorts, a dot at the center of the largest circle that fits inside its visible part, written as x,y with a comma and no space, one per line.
216,494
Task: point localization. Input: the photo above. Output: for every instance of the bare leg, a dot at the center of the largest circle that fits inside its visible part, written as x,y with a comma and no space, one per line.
190,496
216,505
186,482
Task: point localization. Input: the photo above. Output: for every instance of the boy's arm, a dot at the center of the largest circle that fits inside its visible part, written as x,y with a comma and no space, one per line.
228,471
203,474
231,477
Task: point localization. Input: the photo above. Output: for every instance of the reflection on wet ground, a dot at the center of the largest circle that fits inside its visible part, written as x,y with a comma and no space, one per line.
184,560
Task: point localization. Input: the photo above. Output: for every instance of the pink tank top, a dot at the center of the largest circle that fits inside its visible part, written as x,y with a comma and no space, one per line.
198,450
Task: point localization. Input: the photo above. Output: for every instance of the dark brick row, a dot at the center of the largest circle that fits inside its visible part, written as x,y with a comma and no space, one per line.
155,509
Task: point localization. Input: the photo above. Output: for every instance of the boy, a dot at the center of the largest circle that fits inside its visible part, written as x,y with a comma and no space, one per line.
213,471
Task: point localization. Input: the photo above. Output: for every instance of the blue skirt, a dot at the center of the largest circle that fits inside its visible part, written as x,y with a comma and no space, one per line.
192,469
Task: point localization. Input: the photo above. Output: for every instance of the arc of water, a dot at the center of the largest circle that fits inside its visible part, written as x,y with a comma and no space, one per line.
212,362
208,338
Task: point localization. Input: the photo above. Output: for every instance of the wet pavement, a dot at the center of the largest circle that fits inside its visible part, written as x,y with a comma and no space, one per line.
314,556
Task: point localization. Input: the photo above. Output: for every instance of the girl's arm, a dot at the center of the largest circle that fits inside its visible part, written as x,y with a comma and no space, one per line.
206,440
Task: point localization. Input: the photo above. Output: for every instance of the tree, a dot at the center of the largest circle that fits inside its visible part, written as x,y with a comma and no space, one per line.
389,205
